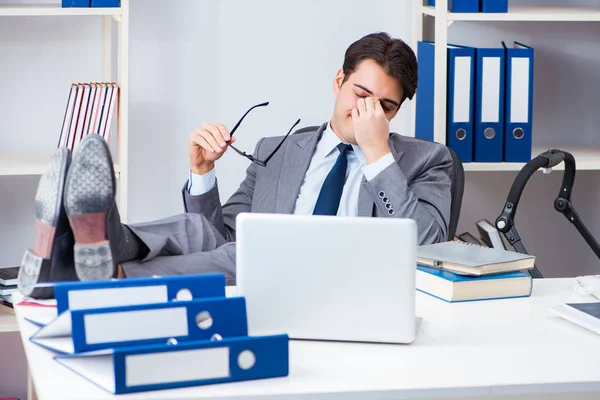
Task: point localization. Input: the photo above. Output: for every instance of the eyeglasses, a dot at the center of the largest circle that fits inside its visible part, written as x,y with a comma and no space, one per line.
262,163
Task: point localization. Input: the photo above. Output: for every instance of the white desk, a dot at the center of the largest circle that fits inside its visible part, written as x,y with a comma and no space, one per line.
503,347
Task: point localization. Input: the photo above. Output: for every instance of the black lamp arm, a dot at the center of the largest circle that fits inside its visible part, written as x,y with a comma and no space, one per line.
548,159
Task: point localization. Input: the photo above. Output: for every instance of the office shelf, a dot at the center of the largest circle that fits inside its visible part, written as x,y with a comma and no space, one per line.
35,163
586,158
28,163
54,9
523,13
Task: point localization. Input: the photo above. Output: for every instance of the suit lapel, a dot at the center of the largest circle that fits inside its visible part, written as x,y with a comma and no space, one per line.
366,203
295,163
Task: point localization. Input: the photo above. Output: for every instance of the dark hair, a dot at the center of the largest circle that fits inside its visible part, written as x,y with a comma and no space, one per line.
393,55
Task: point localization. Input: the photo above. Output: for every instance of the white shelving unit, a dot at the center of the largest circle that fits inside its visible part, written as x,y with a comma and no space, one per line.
588,158
34,163
521,13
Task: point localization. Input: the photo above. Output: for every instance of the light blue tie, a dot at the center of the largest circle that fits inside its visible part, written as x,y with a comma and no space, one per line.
328,201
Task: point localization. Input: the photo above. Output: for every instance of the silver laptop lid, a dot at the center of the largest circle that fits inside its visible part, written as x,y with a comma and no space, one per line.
329,278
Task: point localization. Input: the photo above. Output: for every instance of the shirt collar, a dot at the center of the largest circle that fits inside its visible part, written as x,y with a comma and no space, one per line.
329,141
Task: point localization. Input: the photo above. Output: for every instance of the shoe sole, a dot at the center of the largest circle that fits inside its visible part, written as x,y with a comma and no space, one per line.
89,194
35,266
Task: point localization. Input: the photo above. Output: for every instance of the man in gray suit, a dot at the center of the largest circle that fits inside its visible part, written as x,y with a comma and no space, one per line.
350,166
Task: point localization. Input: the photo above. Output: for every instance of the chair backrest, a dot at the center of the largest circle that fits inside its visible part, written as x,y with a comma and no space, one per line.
458,186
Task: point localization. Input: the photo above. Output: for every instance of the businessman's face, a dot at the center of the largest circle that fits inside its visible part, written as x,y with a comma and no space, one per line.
368,80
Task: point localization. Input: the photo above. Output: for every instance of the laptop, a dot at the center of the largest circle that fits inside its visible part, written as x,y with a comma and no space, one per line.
328,277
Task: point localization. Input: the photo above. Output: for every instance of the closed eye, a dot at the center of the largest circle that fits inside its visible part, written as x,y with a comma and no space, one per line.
360,96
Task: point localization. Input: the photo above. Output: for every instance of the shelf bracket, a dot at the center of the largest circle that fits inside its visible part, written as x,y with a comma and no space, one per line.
449,22
117,18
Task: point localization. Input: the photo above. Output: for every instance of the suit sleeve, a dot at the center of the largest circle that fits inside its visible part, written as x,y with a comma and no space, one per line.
223,217
426,199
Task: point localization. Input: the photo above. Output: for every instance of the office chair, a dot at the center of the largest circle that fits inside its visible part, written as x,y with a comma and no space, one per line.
457,188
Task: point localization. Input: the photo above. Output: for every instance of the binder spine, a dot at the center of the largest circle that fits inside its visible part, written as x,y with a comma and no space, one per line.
425,96
229,360
459,129
97,329
489,100
519,104
94,294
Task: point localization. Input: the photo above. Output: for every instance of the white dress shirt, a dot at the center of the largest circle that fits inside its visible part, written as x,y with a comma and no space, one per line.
322,161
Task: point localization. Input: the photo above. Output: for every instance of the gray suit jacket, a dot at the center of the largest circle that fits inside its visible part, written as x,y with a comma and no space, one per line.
417,185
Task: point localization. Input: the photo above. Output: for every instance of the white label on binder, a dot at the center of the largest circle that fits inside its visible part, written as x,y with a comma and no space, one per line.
109,297
135,325
519,86
462,89
490,90
185,365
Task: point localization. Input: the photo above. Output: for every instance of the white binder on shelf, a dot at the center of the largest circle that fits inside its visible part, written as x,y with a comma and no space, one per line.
90,107
114,102
78,331
104,110
64,132
82,114
94,126
75,117
164,366
131,291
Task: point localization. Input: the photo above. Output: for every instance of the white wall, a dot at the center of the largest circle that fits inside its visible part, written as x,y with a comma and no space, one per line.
210,61
194,61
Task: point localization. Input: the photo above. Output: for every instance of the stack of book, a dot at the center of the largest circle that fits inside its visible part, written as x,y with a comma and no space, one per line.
460,271
8,284
90,109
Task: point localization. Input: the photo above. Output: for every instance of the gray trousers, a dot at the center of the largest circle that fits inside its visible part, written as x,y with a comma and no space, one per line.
185,244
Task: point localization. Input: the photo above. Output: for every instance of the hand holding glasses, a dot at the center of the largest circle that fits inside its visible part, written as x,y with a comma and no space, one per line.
209,142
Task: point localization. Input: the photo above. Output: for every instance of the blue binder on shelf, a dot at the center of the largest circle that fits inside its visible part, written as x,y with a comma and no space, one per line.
106,3
460,6
80,331
75,3
131,291
459,127
488,140
144,368
494,6
518,125
460,99
424,107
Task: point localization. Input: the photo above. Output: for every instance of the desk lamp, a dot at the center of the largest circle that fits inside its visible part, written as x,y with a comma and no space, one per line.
562,204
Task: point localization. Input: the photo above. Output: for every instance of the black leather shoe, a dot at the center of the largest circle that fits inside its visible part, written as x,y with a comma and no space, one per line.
51,259
90,205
